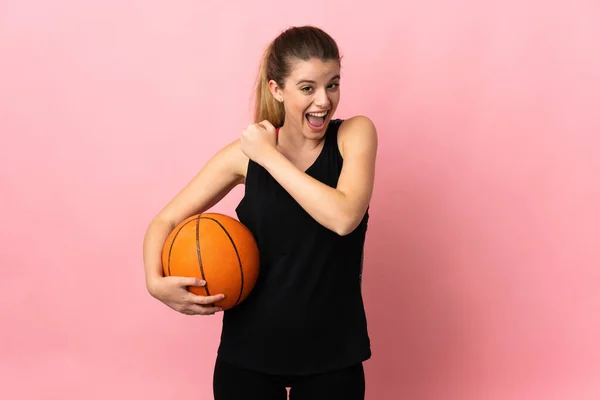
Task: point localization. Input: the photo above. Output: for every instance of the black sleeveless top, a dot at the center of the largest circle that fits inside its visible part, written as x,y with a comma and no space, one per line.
305,315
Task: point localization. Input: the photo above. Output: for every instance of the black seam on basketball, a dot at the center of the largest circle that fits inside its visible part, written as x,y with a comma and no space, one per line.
236,253
171,247
200,255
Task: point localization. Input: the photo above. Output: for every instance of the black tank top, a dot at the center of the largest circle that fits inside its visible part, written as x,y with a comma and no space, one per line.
305,315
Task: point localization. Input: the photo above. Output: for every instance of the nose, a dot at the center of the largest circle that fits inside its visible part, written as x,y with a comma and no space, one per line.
322,99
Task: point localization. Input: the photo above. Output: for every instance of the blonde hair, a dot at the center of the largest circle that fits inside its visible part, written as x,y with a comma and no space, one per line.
293,44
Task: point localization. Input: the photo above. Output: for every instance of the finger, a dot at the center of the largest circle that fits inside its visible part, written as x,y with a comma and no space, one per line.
194,309
185,281
267,124
210,310
258,127
204,300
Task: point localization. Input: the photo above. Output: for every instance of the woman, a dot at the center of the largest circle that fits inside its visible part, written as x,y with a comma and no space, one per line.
308,183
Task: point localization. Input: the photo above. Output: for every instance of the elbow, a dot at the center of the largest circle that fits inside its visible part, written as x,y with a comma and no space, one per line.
346,226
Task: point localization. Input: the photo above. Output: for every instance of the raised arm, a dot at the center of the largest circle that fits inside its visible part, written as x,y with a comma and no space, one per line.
339,209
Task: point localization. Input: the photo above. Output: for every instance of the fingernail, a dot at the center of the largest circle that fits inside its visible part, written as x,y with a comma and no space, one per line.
219,309
202,282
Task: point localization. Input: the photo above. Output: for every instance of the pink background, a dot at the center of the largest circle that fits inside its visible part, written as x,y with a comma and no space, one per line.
482,260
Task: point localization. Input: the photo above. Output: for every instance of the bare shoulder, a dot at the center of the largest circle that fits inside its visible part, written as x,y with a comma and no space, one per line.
357,134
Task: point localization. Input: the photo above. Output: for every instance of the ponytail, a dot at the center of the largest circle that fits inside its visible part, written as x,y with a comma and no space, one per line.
266,106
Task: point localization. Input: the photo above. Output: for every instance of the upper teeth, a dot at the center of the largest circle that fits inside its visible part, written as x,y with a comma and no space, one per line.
318,114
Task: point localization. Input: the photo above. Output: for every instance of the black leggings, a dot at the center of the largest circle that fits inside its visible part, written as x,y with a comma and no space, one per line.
233,383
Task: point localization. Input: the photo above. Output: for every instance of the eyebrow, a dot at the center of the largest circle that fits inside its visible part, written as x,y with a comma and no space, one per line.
309,81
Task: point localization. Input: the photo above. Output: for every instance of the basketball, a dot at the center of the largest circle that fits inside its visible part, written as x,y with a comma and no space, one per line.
217,249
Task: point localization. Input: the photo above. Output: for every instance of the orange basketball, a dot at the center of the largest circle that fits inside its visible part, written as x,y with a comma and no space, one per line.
218,249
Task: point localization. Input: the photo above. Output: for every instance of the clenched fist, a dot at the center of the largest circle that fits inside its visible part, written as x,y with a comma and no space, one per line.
258,140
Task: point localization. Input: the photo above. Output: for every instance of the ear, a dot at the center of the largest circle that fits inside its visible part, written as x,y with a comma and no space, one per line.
276,91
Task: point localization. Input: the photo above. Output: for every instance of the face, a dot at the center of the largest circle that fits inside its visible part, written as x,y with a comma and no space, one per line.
310,96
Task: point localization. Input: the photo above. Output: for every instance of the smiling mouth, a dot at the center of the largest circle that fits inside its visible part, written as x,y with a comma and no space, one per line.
316,120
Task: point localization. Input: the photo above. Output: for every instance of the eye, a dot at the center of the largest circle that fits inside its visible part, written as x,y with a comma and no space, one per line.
306,89
334,85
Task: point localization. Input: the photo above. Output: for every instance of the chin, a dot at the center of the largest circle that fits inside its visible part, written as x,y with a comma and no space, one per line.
316,134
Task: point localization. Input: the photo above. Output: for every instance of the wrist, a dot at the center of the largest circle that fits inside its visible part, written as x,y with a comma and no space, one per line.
269,158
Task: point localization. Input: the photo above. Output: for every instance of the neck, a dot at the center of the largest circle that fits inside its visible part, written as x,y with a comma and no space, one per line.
292,138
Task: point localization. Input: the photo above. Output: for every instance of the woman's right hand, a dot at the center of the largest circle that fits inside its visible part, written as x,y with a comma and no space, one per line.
173,291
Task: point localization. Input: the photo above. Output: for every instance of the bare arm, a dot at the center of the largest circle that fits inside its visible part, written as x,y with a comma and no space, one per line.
216,179
339,209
